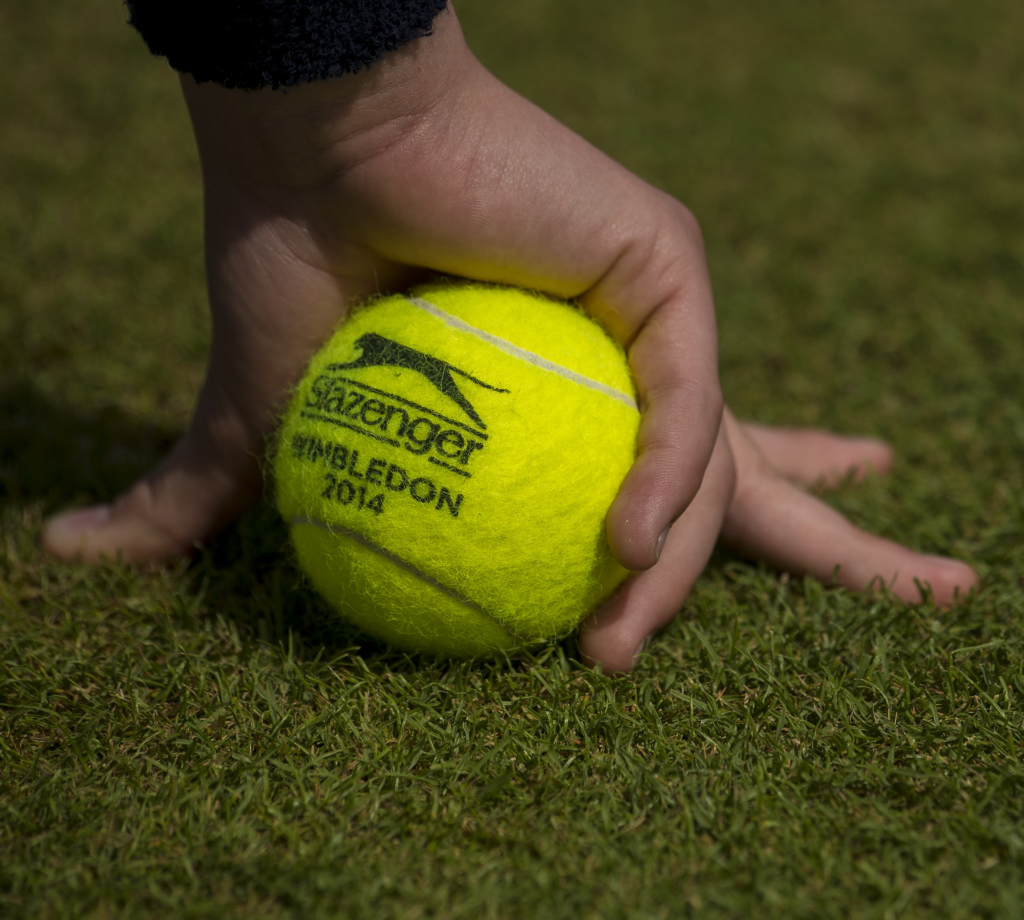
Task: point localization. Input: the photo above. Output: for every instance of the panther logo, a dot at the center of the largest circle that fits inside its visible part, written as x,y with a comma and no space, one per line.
378,351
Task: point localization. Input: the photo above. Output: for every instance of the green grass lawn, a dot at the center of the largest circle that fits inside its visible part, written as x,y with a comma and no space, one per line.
201,741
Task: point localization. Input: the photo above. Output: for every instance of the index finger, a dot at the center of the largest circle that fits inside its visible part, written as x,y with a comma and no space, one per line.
665,290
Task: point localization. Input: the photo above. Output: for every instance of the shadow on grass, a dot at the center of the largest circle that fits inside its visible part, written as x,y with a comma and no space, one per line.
247,575
61,457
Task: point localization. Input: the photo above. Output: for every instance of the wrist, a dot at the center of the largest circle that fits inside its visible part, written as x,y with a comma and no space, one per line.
300,136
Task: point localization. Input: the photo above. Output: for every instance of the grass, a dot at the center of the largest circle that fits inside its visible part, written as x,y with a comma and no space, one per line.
200,741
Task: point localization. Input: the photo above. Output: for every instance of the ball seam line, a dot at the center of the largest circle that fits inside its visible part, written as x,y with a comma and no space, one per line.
521,353
403,564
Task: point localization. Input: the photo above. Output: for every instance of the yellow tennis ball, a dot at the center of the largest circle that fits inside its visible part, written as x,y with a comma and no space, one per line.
447,463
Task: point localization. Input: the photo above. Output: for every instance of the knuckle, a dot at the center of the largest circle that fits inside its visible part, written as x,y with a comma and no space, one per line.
683,222
682,400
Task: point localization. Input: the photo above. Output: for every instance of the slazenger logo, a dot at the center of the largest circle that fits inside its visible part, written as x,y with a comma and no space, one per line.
448,442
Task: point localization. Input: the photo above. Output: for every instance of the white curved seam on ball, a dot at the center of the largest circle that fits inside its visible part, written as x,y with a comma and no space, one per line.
521,353
404,565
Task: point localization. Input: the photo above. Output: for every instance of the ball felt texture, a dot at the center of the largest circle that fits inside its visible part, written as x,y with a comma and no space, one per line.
447,463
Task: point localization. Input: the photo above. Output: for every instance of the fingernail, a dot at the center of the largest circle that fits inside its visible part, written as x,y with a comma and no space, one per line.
85,520
642,647
661,542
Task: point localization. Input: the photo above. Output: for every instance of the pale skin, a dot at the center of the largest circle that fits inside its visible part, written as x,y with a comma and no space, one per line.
425,163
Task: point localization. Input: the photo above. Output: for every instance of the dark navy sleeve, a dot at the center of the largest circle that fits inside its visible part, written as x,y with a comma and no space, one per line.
249,44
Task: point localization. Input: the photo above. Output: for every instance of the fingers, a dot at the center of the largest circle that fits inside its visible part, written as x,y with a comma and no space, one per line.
763,516
673,356
615,634
818,458
772,520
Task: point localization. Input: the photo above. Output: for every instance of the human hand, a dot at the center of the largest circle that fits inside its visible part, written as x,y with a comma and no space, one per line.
751,500
321,195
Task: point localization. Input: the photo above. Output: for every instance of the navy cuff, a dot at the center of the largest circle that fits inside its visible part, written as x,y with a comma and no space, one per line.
248,44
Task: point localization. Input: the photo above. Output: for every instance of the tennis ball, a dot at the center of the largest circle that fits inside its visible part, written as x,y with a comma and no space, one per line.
447,463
